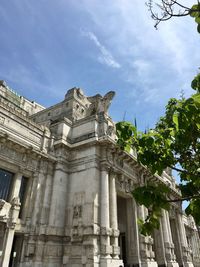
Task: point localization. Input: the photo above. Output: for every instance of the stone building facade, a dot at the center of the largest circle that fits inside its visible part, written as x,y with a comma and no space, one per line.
65,191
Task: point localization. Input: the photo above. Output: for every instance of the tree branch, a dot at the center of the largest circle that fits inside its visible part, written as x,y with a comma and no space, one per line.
183,198
168,11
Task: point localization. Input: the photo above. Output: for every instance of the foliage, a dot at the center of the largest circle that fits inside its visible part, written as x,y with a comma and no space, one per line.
174,143
172,8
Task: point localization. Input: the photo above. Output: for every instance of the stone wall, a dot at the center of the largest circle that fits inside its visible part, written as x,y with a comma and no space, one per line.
77,209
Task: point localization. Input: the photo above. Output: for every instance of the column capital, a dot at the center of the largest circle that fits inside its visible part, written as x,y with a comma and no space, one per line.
104,166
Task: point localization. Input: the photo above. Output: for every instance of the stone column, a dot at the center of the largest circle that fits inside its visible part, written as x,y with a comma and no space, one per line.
146,243
106,249
159,246
47,196
10,231
186,257
176,238
16,185
133,235
31,197
113,217
40,177
13,216
167,238
196,247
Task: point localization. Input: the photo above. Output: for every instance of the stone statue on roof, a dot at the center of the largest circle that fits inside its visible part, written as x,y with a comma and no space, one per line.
100,103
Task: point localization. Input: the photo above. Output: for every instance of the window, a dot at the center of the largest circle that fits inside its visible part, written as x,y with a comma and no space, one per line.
6,179
23,188
22,194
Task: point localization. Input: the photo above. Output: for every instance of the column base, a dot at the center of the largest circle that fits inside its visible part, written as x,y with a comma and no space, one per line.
106,262
188,264
149,264
172,264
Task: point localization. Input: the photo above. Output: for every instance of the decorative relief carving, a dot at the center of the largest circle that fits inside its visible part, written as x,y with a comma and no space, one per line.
2,119
124,184
77,212
18,154
106,231
110,130
4,210
30,251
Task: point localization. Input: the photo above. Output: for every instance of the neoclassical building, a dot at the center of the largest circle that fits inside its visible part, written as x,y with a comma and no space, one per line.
65,188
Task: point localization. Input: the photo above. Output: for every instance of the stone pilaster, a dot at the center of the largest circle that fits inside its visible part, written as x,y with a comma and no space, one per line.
186,256
47,196
195,248
147,254
133,253
58,198
167,238
159,247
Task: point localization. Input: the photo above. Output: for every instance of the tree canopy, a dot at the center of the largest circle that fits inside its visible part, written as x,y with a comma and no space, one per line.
173,143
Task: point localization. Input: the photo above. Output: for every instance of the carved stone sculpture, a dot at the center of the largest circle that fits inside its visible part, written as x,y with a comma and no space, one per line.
100,103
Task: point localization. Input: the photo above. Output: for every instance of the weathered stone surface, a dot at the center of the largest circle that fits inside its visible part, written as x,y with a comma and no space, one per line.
69,202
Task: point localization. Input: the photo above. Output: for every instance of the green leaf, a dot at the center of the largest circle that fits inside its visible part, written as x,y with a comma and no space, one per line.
197,19
198,28
175,120
194,11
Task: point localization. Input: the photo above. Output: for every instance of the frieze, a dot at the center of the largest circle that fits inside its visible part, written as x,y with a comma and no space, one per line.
124,184
18,155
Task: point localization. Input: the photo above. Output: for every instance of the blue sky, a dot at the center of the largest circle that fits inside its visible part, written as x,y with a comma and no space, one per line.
49,46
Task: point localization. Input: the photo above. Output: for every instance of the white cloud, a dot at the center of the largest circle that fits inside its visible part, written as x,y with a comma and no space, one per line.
166,59
105,57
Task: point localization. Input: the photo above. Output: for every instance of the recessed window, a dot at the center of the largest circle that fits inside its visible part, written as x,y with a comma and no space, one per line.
22,194
6,179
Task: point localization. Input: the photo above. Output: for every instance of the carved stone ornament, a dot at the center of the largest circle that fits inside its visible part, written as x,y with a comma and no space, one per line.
4,209
101,103
77,212
110,130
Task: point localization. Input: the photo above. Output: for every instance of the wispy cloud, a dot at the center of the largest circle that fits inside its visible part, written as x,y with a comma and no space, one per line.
161,59
105,56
